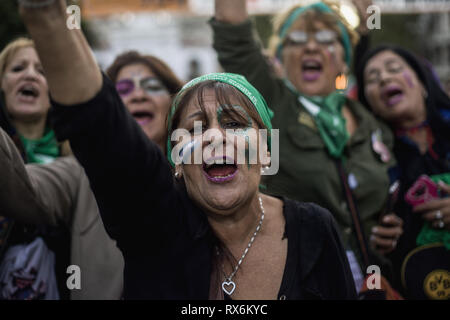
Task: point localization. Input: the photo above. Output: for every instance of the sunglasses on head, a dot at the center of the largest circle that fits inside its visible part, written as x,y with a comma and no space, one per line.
150,85
322,37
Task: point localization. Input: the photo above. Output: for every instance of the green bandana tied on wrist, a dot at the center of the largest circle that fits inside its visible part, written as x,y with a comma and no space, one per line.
327,114
43,150
237,81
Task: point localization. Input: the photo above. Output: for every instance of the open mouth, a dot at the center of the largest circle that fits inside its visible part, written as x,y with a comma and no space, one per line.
28,93
311,69
392,95
218,170
143,117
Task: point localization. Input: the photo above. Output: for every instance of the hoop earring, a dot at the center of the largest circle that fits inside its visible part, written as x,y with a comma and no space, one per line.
341,81
177,175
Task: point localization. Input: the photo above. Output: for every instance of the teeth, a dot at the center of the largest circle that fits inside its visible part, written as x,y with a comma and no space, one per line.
30,89
222,176
217,161
311,64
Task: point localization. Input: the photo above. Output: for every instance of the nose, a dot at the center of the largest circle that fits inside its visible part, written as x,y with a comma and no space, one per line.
31,73
138,95
311,45
214,134
384,76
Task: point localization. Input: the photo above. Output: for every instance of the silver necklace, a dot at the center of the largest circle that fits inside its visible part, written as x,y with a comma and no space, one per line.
228,285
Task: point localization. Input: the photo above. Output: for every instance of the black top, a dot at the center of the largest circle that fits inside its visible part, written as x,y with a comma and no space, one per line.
166,240
411,165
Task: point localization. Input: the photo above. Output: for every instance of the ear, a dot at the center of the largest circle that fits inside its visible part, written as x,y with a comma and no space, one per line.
423,90
178,172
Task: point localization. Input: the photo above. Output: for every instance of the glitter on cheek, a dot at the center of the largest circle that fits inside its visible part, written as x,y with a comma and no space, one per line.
408,79
331,53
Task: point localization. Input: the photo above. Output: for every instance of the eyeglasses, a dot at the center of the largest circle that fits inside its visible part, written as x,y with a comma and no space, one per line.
150,85
322,37
391,67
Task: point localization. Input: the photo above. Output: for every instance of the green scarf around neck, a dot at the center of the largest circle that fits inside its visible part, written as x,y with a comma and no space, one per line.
327,114
43,150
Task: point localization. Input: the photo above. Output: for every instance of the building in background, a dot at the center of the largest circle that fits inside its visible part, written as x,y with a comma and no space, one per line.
175,38
163,28
177,30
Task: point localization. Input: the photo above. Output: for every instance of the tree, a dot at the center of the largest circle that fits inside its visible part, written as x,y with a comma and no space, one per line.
12,27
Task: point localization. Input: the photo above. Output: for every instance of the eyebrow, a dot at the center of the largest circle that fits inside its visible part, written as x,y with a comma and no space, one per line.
387,64
150,78
391,60
372,71
195,114
26,62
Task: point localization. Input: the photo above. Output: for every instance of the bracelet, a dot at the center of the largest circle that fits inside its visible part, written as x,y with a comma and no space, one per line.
35,5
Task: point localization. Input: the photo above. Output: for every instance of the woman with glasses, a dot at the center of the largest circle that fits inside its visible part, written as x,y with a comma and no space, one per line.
328,143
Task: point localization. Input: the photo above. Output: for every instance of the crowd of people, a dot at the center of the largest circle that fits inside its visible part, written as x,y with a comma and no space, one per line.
92,175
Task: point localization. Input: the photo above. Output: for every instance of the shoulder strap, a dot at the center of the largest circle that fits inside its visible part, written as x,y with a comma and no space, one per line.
354,214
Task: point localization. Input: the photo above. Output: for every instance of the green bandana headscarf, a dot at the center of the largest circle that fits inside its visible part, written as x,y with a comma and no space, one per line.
327,114
322,7
43,150
237,81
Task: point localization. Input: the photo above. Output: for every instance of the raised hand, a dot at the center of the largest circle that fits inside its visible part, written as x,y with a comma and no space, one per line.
231,11
70,68
361,7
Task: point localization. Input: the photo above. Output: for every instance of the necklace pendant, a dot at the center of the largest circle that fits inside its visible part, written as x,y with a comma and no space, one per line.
228,287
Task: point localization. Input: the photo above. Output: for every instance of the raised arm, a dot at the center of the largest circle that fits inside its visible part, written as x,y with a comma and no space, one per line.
129,175
70,68
231,11
237,49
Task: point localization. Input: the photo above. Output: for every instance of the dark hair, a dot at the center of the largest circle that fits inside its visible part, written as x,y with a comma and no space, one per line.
157,66
436,98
